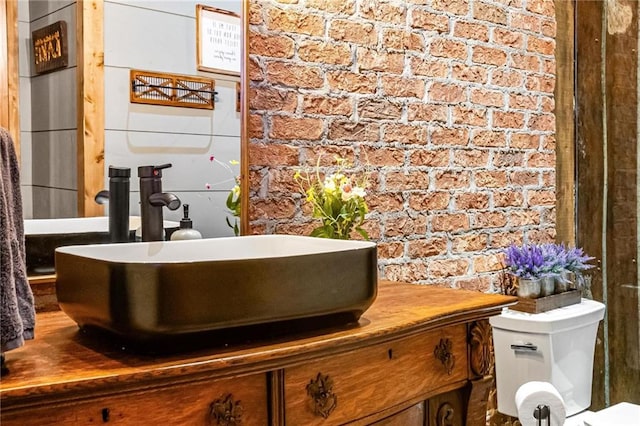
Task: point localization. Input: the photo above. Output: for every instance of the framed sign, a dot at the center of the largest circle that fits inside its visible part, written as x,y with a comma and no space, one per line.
218,42
50,47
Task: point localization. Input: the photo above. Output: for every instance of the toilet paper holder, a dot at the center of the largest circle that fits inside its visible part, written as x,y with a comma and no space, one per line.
542,412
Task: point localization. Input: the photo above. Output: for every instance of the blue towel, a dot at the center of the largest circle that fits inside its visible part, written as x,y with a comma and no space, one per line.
17,311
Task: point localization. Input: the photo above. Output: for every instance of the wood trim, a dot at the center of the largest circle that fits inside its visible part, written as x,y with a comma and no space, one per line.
244,135
90,74
565,123
9,72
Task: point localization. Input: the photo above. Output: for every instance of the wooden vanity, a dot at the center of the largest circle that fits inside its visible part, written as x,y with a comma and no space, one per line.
420,355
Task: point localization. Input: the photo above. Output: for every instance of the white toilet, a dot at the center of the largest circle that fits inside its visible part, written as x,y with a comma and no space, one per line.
555,347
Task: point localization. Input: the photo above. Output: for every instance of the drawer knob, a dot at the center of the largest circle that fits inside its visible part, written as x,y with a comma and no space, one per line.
225,411
323,400
443,353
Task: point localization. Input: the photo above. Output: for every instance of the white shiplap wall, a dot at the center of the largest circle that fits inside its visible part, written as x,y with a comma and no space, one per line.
160,36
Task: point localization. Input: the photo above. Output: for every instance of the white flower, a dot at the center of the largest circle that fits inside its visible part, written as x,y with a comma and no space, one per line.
349,192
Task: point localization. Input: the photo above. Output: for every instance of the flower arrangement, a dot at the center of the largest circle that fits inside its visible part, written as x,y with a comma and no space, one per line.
337,200
233,199
532,261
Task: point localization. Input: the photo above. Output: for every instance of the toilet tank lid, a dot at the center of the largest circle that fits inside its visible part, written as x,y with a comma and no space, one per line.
555,320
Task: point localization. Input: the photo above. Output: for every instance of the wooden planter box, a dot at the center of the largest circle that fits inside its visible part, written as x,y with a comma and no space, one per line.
544,304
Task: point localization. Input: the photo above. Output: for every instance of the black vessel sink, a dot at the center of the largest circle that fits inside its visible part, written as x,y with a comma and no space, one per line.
160,289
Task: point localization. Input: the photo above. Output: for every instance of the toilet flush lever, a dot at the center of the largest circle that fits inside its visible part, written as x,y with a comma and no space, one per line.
525,347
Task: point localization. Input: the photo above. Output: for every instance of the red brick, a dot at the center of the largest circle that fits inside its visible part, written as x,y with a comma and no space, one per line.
475,74
427,247
526,22
490,179
549,66
387,202
540,83
510,120
444,48
470,30
290,128
323,105
544,46
507,78
325,53
380,11
405,133
425,112
400,39
471,201
470,158
485,220
270,99
370,59
525,141
290,21
408,272
486,12
487,97
403,181
390,250
449,136
346,7
549,179
294,75
481,284
542,122
468,243
352,131
273,208
429,21
402,87
384,156
255,126
519,101
487,263
489,138
541,236
539,159
379,109
255,14
294,228
547,104
549,28
541,198
273,155
448,268
541,7
524,217
470,116
524,178
505,239
489,56
449,93
431,158
429,68
508,159
452,179
508,199
456,7
526,62
429,201
509,38
352,82
274,46
404,226
281,181
353,32
255,71
548,142
325,155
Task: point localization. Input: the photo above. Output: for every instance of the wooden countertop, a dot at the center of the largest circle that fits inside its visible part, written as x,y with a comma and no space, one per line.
61,360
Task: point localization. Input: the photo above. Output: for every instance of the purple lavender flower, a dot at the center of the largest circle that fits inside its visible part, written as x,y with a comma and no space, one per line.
576,260
526,261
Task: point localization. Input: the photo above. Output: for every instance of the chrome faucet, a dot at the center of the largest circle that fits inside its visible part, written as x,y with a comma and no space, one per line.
152,200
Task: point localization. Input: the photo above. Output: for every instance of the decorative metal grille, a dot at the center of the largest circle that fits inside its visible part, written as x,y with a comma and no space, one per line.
172,90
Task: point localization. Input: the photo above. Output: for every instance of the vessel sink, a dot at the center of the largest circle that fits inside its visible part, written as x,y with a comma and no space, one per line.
43,236
154,290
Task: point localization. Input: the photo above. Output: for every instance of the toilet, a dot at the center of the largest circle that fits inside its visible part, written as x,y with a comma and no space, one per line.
555,347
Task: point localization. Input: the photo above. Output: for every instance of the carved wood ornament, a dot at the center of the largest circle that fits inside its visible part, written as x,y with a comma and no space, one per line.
446,415
481,342
324,401
225,411
444,353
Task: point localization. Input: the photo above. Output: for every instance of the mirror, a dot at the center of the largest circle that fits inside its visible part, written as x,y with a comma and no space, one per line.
62,171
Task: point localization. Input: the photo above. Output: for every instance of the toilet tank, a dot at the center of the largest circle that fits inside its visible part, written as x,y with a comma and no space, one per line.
555,346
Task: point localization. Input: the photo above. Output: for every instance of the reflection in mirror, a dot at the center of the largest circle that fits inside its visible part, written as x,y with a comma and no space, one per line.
202,145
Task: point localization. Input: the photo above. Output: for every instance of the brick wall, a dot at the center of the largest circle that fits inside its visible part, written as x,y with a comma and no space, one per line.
448,102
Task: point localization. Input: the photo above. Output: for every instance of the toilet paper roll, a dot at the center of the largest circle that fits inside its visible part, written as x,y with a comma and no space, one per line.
532,394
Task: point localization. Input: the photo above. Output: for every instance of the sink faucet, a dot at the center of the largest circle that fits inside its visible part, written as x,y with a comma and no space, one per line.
118,198
152,200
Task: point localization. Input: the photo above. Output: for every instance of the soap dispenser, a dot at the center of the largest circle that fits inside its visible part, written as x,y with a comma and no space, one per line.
186,231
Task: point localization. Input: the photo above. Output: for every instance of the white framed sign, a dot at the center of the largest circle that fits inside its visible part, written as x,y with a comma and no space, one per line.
219,40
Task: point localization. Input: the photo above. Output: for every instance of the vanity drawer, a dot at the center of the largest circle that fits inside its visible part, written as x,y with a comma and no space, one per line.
351,385
186,404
